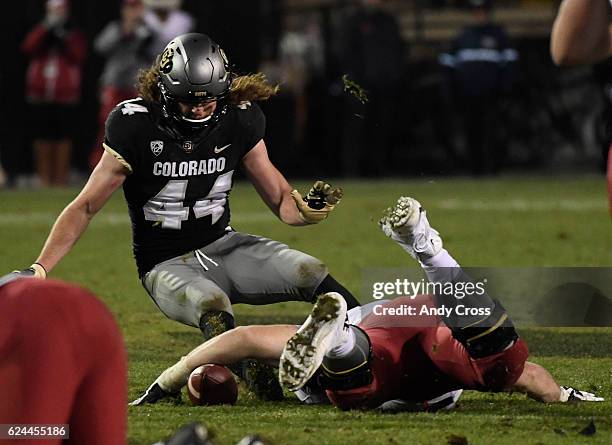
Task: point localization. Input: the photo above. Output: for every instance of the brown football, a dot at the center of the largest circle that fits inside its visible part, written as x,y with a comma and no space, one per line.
212,385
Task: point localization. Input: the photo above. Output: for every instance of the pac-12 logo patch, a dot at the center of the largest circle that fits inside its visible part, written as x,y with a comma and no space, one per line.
157,147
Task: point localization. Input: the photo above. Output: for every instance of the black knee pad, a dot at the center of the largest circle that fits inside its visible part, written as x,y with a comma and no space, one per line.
490,336
213,323
351,370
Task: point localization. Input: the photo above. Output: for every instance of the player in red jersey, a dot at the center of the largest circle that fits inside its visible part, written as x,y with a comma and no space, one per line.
582,35
380,356
62,361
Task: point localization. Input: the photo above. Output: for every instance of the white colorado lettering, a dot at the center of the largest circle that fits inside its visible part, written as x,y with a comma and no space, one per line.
157,169
189,168
220,164
193,168
183,168
202,167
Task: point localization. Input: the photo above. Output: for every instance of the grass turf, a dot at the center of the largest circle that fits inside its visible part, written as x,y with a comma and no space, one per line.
510,221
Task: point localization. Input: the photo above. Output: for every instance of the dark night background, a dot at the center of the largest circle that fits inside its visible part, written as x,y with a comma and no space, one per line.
243,27
550,108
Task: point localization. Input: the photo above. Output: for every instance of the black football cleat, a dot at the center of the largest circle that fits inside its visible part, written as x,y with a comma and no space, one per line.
254,439
191,434
154,394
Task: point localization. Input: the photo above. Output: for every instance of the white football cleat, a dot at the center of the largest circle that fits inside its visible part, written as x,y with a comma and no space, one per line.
569,394
406,223
304,352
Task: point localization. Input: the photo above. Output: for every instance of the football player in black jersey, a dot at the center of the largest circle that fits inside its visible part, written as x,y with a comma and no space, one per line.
175,149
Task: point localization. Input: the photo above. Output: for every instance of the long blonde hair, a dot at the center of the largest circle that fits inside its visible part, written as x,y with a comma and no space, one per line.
249,87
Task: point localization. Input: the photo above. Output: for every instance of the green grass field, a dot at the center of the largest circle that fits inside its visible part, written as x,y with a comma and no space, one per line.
514,221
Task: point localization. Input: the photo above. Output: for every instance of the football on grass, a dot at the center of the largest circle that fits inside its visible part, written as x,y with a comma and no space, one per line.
212,385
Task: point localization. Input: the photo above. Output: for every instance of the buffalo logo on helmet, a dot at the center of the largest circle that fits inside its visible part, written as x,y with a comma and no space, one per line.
165,64
157,147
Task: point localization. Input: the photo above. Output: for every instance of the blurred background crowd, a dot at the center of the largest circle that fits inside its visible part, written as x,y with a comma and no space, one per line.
369,88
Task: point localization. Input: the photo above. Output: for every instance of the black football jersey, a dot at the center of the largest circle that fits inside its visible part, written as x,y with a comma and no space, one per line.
178,190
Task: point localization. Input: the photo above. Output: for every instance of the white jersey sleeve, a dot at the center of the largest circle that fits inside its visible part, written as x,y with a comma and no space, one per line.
358,313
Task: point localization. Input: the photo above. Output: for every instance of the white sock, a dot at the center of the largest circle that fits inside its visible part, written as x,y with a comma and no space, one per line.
343,343
441,259
175,377
440,268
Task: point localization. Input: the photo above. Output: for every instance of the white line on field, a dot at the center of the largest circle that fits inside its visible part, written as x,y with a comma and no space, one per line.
523,205
110,218
520,205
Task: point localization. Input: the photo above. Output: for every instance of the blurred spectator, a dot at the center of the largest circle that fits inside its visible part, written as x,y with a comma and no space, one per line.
371,53
167,21
124,43
481,67
298,63
301,60
53,89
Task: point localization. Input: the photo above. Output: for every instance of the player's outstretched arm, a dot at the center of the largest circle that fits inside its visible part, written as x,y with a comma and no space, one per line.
264,343
271,185
537,383
281,198
108,175
581,33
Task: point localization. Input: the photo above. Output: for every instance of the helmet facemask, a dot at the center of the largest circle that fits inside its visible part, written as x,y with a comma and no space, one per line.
183,124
